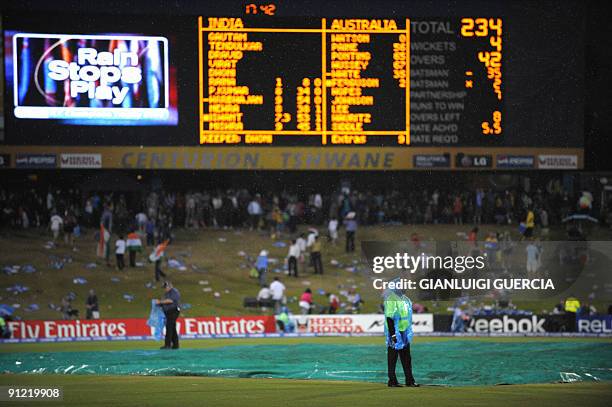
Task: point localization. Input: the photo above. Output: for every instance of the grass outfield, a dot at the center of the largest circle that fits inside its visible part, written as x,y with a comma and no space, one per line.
203,391
89,390
217,268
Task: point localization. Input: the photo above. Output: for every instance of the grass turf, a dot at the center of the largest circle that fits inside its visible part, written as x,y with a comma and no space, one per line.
215,254
202,391
198,391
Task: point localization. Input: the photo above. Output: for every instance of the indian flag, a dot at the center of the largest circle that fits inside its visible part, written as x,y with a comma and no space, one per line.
103,242
133,242
159,251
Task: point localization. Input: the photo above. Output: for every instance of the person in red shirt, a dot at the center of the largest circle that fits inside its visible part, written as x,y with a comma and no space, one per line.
473,236
473,239
416,241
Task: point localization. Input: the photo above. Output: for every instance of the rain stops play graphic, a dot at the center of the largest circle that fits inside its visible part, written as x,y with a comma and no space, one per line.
92,79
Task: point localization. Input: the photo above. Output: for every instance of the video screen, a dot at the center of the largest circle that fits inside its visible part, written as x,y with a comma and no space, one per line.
91,79
105,80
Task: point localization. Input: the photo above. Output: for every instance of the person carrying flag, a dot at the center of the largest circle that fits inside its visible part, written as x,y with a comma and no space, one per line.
134,245
398,334
157,256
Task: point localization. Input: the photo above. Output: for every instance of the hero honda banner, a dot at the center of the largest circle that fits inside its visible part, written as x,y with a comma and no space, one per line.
355,324
91,79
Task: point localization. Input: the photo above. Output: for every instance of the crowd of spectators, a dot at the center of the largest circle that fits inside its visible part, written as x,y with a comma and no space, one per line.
155,213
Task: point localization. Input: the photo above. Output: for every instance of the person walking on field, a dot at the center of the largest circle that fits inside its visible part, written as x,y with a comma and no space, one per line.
292,258
56,223
171,306
315,254
120,252
351,228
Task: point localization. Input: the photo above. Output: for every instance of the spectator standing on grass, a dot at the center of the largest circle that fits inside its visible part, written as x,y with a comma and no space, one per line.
55,224
332,228
315,254
120,252
310,239
150,231
350,223
355,300
70,224
134,245
103,248
264,296
334,303
473,240
261,264
157,256
66,307
458,211
278,293
301,242
479,201
255,211
306,302
141,222
529,224
93,309
292,258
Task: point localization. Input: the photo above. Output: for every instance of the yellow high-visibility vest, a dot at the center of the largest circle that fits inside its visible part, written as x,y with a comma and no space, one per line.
572,305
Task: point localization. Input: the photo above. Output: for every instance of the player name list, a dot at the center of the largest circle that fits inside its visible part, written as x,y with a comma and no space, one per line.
348,81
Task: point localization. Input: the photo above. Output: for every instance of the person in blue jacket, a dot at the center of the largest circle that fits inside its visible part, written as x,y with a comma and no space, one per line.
261,264
398,334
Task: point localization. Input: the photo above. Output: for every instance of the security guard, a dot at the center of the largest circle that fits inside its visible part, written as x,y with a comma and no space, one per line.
170,305
572,304
398,332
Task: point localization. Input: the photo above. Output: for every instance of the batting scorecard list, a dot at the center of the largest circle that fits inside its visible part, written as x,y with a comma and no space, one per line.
331,81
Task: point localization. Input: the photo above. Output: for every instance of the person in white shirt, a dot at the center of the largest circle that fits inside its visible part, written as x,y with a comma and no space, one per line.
56,224
312,235
292,258
278,293
120,252
263,297
301,242
254,210
141,221
332,228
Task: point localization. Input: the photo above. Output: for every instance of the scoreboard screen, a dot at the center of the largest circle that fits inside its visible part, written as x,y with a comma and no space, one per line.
332,81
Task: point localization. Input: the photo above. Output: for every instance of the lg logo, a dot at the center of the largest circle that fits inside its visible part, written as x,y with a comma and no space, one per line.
467,161
481,162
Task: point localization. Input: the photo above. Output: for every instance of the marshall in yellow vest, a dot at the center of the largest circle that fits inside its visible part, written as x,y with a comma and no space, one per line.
398,333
